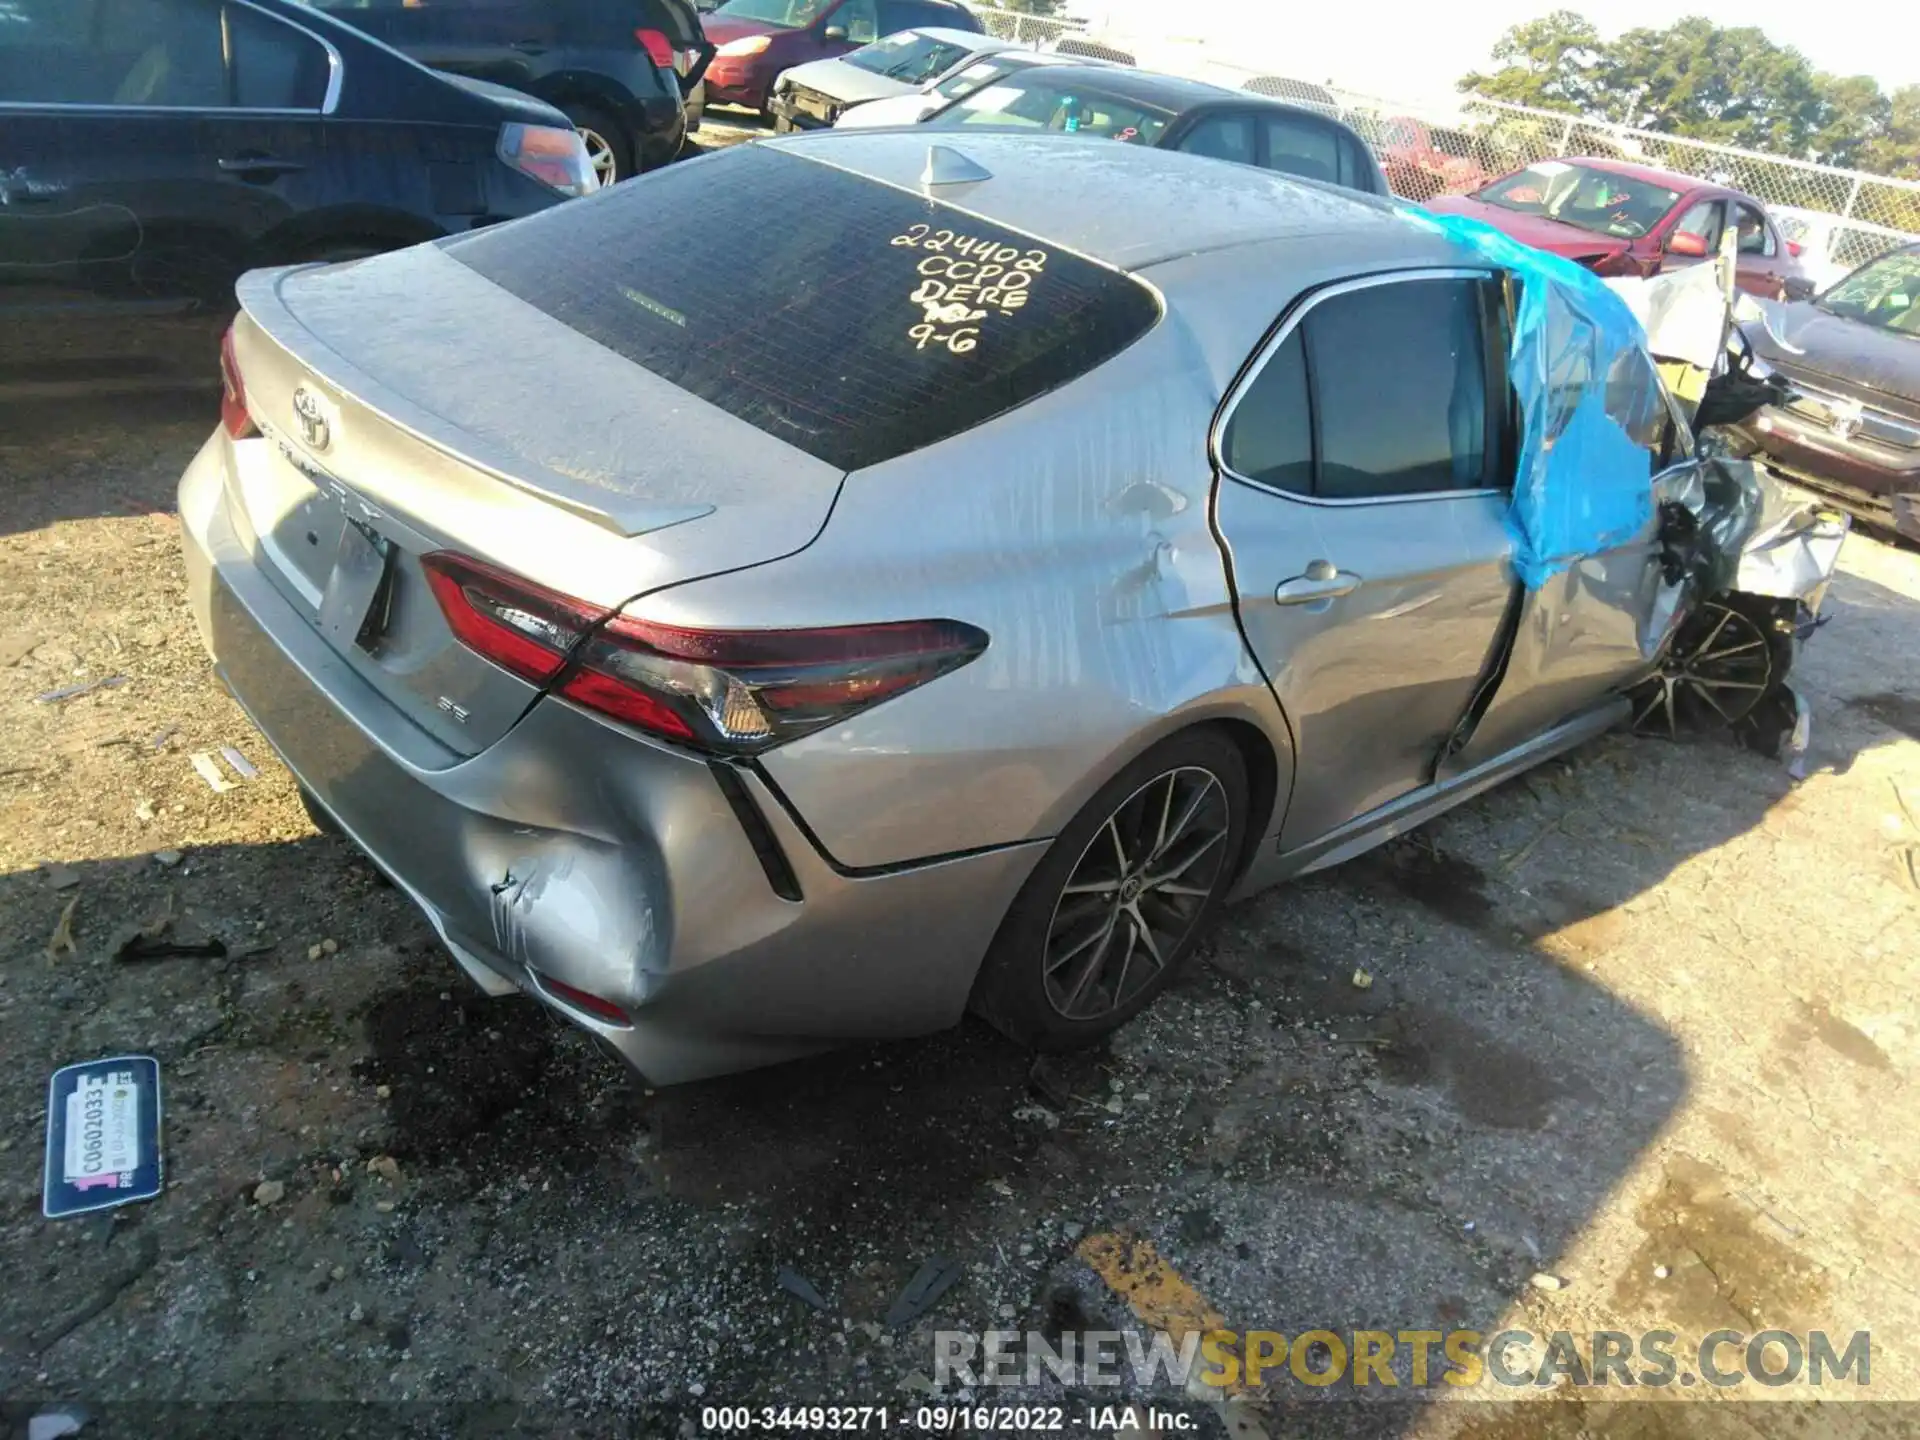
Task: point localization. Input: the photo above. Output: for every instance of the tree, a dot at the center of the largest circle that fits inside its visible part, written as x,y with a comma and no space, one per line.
1895,150
1701,81
1552,63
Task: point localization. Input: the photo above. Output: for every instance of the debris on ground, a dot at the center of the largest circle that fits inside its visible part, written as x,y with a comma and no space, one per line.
242,766
56,1423
85,687
158,940
61,942
929,1283
1541,1280
269,1192
1362,980
386,1167
797,1285
204,767
168,858
159,741
62,877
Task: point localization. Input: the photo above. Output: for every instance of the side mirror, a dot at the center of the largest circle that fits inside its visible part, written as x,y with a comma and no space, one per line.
834,32
1683,243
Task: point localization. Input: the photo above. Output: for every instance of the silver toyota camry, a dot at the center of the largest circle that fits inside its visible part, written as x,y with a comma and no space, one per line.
814,589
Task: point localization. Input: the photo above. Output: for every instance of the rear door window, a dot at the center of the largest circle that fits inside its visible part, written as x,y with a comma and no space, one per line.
1223,137
1386,391
869,322
275,66
1269,436
1297,145
1400,389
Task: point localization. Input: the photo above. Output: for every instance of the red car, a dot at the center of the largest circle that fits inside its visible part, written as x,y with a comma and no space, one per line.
757,39
1622,219
1422,161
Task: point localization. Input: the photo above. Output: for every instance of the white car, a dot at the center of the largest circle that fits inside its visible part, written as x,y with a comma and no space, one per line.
1831,247
956,84
815,95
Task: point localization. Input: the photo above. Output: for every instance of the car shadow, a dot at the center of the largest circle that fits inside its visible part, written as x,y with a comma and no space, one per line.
78,456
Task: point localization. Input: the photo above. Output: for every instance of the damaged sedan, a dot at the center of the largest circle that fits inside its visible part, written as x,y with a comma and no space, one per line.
746,637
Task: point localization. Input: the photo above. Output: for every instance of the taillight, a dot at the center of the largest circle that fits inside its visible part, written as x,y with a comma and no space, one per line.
659,49
734,692
525,629
233,393
551,155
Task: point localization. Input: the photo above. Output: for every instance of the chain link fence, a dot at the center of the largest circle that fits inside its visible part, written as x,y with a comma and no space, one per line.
1840,218
1034,30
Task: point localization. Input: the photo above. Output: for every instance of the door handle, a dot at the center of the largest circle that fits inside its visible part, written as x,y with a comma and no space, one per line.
258,166
1322,581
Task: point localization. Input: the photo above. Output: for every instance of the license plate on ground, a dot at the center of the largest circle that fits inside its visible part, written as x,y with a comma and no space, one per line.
103,1135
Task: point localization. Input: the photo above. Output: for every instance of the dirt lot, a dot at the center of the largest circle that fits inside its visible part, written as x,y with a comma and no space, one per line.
1643,1024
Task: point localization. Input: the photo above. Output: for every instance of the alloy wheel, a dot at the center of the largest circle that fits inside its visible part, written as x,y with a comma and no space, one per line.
1719,667
601,155
1136,893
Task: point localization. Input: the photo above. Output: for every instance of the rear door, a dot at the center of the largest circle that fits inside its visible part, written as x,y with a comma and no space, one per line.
156,145
1361,502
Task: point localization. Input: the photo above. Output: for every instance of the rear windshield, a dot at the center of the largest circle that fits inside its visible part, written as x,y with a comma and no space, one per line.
850,319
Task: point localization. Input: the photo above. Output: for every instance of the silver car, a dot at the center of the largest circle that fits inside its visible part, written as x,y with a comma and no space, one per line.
819,587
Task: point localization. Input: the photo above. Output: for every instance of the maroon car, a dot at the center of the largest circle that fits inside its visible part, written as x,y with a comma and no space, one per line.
1622,219
757,39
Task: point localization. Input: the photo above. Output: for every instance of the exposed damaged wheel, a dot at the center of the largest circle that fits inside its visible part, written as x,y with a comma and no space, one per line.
1109,915
1722,664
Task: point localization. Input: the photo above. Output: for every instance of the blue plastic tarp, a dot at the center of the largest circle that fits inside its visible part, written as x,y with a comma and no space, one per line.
1590,402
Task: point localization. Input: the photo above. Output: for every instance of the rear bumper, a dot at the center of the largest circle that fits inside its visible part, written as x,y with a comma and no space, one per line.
739,81
576,852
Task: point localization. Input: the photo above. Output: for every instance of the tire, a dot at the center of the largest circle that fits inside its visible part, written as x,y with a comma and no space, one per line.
608,144
1034,986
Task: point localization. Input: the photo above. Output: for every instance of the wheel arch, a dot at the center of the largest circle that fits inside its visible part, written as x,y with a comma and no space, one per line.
1250,717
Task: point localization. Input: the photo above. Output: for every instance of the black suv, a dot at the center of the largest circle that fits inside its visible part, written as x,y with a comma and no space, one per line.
152,150
626,72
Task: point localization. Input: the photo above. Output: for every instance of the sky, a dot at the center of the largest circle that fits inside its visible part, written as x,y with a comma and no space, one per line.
1411,48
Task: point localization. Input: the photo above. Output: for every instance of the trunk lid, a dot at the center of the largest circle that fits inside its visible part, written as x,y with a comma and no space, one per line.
409,405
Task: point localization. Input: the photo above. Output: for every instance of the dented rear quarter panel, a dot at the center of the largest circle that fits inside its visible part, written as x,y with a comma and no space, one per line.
1075,531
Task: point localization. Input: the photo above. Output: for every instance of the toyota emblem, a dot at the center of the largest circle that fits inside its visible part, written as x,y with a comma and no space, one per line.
315,415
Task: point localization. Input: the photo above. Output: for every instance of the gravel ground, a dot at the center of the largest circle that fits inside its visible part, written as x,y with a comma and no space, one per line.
1641,1024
